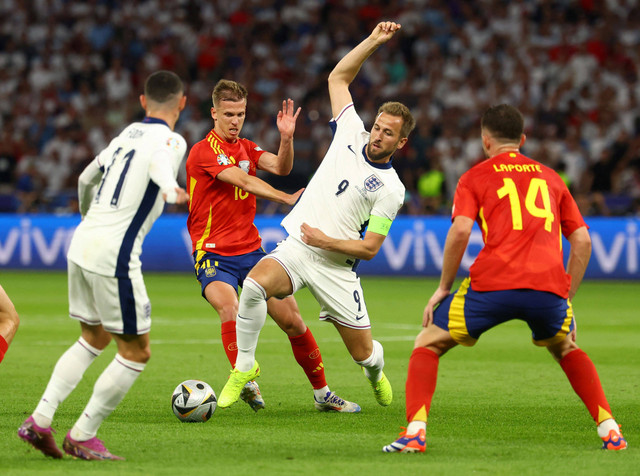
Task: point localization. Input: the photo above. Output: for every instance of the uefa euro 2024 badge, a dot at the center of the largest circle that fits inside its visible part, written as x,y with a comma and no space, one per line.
223,159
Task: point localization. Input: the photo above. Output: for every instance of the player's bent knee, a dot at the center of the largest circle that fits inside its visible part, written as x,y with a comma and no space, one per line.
227,313
561,349
145,357
361,352
141,356
14,319
96,336
294,327
287,317
252,291
9,322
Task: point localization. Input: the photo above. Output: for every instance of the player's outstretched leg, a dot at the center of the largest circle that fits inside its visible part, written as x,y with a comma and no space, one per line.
415,442
233,388
91,449
333,403
585,382
40,438
251,395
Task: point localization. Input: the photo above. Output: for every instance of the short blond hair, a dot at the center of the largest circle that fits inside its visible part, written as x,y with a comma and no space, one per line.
227,90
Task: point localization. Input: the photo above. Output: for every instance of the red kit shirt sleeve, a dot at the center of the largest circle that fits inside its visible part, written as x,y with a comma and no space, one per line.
523,208
221,214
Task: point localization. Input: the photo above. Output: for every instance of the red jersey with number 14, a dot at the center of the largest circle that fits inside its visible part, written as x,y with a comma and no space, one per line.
522,208
220,214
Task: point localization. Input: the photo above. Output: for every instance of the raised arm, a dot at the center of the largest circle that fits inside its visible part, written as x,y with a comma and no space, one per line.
347,68
282,163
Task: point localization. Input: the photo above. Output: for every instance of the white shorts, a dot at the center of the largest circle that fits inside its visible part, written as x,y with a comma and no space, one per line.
121,305
336,287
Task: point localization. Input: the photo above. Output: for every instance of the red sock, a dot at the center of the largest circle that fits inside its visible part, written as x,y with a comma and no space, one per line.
584,379
421,383
229,341
3,347
307,354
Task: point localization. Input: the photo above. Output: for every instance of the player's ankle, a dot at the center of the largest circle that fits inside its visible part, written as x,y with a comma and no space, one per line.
606,426
320,394
415,426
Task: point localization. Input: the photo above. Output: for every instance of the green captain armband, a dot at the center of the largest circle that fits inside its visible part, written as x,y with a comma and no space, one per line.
379,225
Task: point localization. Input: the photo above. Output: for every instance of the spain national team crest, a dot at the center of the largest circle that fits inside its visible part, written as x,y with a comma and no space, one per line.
223,159
210,272
245,165
372,183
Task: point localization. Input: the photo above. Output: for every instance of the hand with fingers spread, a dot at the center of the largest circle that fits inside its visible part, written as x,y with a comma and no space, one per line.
286,120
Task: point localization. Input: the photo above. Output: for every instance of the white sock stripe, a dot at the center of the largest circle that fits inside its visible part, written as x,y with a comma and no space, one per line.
373,364
249,281
130,364
91,349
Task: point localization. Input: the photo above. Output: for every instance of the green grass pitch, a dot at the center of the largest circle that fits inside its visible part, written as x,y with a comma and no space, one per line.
502,407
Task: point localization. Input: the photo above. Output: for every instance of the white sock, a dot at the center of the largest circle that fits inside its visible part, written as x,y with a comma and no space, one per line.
109,390
252,313
415,426
320,394
374,364
606,426
65,377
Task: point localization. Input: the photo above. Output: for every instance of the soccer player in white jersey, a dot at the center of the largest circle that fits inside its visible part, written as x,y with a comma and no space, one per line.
121,193
355,188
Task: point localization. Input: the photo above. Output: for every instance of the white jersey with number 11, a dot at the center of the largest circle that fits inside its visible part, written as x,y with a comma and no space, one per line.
136,168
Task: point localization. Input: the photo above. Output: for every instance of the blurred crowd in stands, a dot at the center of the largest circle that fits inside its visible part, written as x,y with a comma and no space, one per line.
71,73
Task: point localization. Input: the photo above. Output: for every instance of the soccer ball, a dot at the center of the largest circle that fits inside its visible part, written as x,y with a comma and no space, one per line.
194,401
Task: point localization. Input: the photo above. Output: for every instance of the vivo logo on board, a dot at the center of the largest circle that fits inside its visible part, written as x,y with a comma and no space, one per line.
414,246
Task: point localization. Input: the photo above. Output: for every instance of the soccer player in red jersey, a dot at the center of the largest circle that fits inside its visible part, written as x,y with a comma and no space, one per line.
222,185
9,322
521,207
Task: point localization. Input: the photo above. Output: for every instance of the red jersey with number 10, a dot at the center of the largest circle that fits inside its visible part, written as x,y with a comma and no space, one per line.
220,214
522,208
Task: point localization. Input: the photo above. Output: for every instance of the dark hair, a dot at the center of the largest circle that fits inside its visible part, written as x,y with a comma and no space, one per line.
503,122
399,109
163,86
227,90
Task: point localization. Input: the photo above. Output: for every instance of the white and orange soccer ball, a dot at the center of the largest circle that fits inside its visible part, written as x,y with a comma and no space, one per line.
193,401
